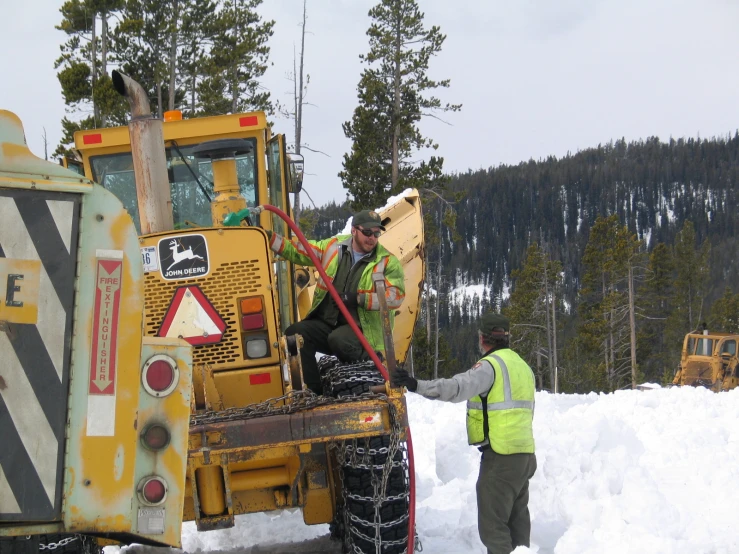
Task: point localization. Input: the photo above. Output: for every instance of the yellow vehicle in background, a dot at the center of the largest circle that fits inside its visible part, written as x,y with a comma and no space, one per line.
258,440
93,414
709,360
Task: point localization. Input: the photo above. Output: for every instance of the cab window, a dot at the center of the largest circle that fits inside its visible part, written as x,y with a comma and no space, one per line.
704,347
190,181
729,347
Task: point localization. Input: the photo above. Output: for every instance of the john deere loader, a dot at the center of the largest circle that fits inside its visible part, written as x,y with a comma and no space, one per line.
202,193
709,360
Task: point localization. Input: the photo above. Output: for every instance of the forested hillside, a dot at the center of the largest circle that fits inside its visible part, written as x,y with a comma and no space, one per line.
652,186
674,209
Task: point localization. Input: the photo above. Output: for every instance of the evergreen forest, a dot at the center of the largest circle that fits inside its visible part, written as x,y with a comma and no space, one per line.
558,243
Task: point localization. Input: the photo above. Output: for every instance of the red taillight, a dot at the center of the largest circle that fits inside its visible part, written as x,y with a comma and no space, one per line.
160,375
96,138
155,437
153,490
251,322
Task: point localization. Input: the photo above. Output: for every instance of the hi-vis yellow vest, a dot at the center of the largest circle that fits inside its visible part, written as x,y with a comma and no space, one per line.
504,416
382,265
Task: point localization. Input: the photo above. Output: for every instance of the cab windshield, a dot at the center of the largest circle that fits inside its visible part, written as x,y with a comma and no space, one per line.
700,347
190,181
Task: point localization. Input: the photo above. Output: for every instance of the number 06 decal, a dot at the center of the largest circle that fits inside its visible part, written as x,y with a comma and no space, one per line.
149,258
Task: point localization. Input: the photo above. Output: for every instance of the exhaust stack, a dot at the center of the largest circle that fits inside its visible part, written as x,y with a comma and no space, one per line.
149,159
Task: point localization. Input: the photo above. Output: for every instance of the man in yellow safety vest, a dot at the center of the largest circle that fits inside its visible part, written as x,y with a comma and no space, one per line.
499,390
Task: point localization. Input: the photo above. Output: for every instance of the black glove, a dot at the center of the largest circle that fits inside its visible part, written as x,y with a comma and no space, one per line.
269,234
350,299
401,378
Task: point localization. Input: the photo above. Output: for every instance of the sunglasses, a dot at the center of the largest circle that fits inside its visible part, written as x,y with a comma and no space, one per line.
369,232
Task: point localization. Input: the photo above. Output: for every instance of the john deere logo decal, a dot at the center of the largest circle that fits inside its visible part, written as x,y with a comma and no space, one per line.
183,257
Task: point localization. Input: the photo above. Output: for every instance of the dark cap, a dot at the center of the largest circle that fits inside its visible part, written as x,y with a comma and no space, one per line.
492,321
367,219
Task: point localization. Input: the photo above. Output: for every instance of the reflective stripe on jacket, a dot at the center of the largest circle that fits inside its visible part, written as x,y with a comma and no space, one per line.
503,418
382,264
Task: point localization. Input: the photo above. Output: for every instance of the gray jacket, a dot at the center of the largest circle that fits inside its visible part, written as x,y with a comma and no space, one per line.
463,386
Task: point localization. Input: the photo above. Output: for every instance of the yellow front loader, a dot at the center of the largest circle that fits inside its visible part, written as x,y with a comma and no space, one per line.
709,360
258,439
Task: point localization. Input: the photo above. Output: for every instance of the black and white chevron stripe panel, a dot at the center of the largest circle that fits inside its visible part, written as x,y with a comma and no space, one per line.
38,252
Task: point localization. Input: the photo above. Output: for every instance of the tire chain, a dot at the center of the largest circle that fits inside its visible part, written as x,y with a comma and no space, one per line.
87,545
292,402
342,384
382,527
64,542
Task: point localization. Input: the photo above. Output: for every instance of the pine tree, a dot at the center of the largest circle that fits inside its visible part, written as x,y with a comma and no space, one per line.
393,97
82,67
238,60
196,35
657,353
142,42
690,285
725,313
531,305
607,328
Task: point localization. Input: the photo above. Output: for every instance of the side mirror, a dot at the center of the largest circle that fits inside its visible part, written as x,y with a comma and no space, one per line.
296,172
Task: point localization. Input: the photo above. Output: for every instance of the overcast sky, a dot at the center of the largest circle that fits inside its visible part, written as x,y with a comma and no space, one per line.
535,77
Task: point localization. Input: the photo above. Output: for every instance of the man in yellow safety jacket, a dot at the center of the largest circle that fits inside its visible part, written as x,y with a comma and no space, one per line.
353,262
499,390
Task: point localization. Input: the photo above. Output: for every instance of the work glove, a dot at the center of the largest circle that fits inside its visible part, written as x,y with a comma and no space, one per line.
350,299
269,235
401,378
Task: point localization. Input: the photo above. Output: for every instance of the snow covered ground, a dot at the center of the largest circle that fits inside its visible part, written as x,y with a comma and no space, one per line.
654,471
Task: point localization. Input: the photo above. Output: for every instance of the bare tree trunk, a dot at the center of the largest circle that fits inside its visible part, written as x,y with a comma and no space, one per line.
538,367
428,303
438,297
94,70
46,145
605,319
299,107
410,359
173,54
612,351
549,325
234,90
632,326
103,54
104,42
554,332
193,80
396,111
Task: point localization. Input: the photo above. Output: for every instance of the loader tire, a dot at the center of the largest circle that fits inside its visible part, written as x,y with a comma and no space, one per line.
367,515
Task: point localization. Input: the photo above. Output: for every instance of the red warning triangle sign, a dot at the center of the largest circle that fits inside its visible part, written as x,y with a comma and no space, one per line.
192,317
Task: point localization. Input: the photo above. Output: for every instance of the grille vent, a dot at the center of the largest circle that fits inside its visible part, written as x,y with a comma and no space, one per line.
226,283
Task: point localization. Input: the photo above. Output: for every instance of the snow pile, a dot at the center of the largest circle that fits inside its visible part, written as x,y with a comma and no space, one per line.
632,472
390,201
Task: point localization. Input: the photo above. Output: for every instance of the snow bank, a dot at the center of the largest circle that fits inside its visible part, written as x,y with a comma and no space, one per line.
632,472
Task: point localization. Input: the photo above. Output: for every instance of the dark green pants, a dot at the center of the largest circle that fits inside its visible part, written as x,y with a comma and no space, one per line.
320,337
503,500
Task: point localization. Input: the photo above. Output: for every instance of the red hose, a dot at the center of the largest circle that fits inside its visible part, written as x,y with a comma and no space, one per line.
362,339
